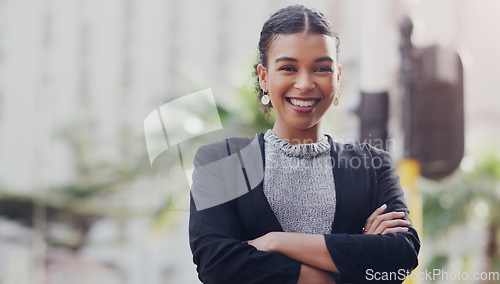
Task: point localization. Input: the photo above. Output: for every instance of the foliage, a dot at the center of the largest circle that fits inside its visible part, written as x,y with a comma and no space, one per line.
254,117
467,196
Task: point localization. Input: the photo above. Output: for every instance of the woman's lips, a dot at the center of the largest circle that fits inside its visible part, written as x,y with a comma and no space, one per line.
302,109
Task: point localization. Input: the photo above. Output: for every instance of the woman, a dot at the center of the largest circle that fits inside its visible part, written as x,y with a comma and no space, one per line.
323,212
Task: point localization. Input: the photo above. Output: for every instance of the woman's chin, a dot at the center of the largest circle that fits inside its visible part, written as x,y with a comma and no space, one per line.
305,124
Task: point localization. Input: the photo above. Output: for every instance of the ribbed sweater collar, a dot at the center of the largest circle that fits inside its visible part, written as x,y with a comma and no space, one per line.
309,150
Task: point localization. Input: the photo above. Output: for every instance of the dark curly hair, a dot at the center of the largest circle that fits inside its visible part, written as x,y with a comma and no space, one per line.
289,20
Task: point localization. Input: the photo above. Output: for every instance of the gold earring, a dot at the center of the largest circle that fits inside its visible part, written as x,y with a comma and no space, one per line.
336,100
265,99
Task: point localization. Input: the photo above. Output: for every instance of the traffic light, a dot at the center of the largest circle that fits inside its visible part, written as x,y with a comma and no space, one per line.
435,112
433,105
373,112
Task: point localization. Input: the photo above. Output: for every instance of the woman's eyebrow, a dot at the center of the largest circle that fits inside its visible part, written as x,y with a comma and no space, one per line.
286,58
326,58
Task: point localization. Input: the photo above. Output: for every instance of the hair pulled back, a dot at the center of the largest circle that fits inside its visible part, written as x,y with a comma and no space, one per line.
289,20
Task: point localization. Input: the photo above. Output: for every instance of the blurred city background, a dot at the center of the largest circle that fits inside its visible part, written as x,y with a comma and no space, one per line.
82,202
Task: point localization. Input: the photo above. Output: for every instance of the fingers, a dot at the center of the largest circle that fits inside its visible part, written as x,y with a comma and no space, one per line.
375,213
395,230
385,225
384,218
379,223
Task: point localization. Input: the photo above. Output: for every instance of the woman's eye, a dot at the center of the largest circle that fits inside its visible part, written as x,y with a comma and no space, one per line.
323,69
287,68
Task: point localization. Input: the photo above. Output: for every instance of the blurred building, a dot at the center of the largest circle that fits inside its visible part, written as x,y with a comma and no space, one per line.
78,78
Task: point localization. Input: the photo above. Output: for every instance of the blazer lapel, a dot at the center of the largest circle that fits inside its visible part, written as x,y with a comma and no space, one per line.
351,188
255,213
337,178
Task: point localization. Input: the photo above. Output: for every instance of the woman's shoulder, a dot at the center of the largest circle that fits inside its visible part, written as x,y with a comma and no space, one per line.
222,148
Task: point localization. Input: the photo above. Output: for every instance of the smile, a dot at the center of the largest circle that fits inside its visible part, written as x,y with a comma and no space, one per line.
302,105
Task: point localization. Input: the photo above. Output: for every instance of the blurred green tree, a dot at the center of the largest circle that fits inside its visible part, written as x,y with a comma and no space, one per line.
467,196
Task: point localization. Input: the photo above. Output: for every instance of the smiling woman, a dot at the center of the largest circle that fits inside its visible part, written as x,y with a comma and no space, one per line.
302,79
314,216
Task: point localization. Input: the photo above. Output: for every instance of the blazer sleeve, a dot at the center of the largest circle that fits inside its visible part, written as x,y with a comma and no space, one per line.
220,253
367,258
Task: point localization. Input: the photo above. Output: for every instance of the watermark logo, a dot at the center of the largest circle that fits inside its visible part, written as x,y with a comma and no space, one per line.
218,177
430,275
179,120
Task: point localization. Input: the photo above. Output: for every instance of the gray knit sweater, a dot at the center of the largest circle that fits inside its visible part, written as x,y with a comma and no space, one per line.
298,184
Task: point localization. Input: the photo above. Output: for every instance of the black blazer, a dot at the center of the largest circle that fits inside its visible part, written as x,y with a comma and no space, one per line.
217,235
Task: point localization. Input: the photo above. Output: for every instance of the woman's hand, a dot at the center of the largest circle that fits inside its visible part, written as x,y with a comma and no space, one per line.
308,274
308,249
379,223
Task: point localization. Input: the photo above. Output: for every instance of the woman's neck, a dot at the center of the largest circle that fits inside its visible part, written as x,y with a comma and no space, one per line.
296,136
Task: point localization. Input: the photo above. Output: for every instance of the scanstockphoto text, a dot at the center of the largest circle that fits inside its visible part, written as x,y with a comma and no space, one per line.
350,144
355,162
430,275
365,161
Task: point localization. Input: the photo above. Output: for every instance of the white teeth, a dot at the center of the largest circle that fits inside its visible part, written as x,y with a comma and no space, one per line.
302,103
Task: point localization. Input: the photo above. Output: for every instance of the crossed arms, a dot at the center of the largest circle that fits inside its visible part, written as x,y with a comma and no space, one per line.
312,252
223,253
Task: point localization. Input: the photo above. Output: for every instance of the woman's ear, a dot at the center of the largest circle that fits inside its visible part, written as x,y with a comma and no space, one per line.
261,70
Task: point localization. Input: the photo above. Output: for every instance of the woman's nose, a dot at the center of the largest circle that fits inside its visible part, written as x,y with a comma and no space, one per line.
304,82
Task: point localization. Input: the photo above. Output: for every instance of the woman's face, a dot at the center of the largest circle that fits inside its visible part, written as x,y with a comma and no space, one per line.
301,77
